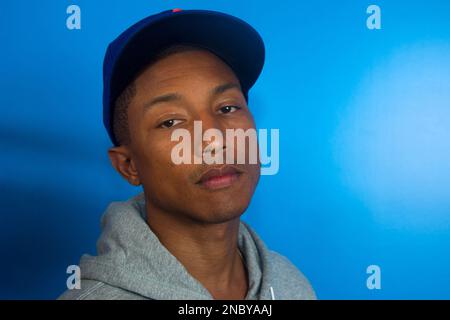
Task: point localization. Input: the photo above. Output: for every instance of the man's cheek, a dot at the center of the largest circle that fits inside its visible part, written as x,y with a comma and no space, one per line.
163,147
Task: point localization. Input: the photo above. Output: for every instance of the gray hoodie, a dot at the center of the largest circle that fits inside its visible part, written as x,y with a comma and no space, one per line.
133,264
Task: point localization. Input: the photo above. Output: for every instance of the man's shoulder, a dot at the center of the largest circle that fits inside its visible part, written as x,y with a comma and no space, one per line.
291,282
97,290
280,274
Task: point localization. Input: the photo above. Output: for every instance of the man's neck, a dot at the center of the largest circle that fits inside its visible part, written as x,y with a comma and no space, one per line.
209,252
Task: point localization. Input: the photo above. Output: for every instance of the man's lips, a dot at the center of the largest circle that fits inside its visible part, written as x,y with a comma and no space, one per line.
216,178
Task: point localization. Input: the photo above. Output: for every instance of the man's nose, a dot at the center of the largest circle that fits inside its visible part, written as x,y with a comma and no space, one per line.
214,133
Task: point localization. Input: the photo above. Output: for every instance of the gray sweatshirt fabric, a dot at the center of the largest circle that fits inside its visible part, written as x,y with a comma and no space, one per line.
132,265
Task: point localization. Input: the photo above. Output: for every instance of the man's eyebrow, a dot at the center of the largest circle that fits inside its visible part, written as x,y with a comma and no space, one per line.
170,97
161,99
224,87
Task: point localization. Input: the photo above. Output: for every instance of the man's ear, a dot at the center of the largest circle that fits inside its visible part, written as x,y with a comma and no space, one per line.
122,161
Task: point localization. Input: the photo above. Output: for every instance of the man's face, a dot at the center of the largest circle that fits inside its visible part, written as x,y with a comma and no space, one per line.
171,94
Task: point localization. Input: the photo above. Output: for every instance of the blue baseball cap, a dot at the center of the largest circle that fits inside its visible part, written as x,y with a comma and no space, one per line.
233,40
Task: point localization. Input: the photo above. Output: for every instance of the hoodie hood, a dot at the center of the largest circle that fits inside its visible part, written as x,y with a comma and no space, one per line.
131,257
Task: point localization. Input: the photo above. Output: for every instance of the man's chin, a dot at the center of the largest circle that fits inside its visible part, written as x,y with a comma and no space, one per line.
219,219
223,205
220,214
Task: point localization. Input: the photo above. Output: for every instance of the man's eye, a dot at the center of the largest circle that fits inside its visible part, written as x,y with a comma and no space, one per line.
169,123
229,109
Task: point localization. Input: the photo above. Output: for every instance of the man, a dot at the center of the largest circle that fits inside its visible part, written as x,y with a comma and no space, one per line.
182,238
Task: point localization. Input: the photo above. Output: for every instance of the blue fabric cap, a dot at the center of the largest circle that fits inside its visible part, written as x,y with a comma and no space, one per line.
230,38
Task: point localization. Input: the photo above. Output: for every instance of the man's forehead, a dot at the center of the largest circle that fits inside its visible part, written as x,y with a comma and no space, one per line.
188,63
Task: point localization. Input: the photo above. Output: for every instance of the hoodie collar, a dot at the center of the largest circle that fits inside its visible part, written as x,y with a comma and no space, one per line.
131,257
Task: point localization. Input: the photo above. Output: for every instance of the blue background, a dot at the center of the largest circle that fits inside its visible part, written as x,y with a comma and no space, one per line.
364,119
